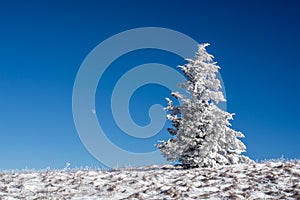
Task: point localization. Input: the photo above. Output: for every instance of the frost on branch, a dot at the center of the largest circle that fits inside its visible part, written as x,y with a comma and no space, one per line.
201,130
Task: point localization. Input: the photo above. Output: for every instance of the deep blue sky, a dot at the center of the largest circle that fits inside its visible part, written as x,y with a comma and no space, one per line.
43,43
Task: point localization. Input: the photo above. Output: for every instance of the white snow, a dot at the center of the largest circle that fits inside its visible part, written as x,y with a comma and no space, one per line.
268,180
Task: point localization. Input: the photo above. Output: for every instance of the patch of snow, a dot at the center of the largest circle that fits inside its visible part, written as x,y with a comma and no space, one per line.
269,180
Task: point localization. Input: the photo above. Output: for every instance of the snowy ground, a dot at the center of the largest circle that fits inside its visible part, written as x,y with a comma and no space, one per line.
270,180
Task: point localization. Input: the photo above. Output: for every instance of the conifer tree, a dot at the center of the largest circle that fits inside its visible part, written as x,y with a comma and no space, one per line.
202,136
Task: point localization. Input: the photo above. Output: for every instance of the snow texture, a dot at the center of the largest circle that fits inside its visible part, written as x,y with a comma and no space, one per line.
269,180
201,130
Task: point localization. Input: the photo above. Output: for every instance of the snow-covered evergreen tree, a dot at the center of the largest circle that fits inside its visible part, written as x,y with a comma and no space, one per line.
201,130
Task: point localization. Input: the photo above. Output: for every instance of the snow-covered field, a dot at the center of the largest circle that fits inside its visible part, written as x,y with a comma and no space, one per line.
269,180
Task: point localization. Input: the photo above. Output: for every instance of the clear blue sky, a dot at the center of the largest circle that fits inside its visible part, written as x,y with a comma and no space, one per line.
43,43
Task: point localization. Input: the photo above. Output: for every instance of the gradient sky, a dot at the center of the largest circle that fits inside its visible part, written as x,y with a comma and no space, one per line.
43,43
